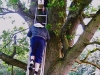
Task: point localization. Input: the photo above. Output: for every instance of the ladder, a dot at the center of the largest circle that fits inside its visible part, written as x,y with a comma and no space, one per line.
43,62
40,15
44,52
41,69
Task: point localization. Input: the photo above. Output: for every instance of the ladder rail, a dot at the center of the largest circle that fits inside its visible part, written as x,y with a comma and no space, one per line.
44,52
43,62
40,15
35,15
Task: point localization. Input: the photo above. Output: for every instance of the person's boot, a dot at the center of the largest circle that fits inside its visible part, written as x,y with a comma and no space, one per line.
31,64
35,73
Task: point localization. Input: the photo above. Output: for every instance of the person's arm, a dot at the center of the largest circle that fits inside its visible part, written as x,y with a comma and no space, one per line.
48,36
44,6
29,34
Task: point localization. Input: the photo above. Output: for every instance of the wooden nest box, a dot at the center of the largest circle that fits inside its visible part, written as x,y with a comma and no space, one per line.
40,4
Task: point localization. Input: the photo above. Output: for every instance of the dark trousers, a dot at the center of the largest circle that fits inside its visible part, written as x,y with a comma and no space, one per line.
37,45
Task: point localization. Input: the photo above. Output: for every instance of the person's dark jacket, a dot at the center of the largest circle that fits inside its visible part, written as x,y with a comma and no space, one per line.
38,30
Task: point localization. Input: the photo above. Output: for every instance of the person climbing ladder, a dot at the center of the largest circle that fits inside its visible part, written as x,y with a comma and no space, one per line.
44,7
43,4
39,36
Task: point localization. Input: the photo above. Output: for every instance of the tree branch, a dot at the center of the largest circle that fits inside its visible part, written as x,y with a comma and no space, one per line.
14,47
88,16
94,42
86,36
12,61
22,10
72,21
75,68
81,21
12,37
4,11
91,52
74,14
84,61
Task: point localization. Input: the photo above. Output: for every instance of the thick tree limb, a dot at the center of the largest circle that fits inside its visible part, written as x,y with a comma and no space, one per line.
21,10
12,61
73,20
74,14
29,15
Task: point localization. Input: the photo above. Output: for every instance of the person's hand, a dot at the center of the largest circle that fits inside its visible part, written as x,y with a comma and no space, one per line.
43,9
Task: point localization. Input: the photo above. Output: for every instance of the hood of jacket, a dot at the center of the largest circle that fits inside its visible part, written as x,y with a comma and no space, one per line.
38,25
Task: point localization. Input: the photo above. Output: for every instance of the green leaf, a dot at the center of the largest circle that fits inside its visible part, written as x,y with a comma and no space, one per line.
49,26
13,1
99,6
1,3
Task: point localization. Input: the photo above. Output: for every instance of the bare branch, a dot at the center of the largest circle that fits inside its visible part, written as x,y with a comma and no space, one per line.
94,42
12,37
4,11
84,61
91,52
75,68
14,47
21,11
88,16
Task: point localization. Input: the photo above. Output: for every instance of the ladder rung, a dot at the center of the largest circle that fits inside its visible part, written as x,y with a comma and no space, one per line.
34,68
43,23
41,15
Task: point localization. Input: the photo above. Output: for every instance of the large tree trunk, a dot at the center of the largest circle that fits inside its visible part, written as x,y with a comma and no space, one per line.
62,67
54,46
53,53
